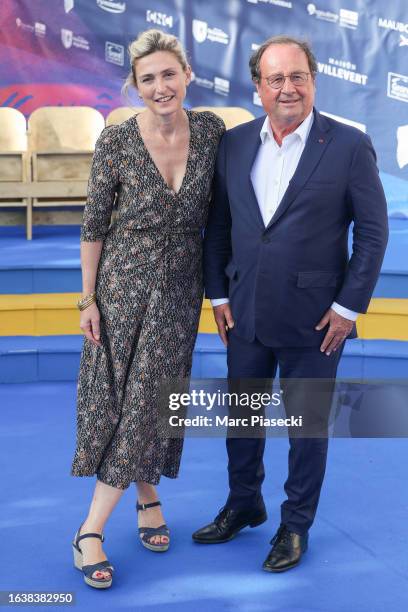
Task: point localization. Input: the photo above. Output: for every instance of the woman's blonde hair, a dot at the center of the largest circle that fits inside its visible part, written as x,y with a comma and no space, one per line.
149,42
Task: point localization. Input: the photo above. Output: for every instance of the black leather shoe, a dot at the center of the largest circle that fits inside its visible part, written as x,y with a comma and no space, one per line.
287,550
228,523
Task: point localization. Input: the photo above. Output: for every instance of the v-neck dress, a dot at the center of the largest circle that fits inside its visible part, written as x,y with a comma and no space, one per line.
149,293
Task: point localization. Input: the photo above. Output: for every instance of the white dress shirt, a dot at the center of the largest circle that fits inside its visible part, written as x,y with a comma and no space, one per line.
273,168
275,165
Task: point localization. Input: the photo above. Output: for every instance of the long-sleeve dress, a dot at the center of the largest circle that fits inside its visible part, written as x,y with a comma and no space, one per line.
149,292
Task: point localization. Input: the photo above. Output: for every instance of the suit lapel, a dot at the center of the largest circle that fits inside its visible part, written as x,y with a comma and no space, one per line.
251,147
316,144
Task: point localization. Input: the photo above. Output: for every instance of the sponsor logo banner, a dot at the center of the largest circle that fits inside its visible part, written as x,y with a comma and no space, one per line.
320,14
402,147
68,5
219,85
345,18
114,53
348,19
390,24
395,26
344,70
397,87
111,6
38,28
66,38
160,19
200,82
202,32
356,124
69,40
256,100
283,3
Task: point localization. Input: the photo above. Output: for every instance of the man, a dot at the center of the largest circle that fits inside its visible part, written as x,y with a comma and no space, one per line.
287,187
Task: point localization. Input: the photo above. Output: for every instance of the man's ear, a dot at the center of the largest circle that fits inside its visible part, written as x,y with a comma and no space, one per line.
256,83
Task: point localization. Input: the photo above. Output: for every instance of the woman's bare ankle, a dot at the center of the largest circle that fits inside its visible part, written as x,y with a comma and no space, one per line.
92,526
146,493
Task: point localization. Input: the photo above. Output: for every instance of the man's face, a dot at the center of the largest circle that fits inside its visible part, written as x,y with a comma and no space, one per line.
291,104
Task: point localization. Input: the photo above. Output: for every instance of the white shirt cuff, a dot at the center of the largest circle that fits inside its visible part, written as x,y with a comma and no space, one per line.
344,312
219,301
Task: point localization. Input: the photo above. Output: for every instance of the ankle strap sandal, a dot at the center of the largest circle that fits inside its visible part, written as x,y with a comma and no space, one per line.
146,534
89,570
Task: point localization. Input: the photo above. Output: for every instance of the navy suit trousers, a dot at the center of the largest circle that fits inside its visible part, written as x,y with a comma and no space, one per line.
307,455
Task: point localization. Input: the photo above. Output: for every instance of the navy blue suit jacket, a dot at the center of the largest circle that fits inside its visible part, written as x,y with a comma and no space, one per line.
281,279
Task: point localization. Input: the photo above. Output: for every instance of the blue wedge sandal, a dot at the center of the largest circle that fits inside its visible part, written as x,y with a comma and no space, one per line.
147,533
88,570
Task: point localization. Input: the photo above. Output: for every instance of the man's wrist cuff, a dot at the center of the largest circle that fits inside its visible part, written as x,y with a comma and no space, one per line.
219,301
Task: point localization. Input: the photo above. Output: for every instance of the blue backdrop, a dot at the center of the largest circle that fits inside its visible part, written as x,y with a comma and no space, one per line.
75,52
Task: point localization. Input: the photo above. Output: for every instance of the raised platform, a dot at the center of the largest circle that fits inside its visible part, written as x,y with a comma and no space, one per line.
40,283
50,263
56,313
56,358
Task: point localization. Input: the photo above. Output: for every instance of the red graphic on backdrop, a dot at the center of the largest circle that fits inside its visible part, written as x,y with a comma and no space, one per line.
27,97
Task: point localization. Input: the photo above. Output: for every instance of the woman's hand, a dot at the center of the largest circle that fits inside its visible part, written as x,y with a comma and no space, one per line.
89,323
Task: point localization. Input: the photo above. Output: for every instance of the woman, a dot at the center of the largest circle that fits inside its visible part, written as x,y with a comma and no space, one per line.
142,287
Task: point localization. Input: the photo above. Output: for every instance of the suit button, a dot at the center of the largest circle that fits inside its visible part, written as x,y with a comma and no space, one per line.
265,239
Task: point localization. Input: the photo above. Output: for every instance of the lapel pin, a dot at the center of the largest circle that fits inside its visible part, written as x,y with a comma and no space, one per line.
321,140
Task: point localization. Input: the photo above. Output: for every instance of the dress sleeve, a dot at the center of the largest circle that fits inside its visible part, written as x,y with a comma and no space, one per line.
102,185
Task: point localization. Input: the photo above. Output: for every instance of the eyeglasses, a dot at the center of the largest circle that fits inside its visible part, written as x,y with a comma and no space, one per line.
277,81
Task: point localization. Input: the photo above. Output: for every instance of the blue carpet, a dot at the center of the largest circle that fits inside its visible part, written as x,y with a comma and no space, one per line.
357,558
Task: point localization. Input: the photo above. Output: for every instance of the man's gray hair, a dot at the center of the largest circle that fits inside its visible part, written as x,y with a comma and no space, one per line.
255,59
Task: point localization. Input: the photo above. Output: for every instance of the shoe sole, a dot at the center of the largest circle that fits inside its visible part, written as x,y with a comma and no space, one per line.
252,524
278,571
155,548
98,585
284,569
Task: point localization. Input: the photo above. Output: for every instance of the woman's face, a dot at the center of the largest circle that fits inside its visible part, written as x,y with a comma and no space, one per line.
162,82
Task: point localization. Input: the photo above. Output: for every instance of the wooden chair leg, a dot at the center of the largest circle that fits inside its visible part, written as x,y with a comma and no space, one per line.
29,219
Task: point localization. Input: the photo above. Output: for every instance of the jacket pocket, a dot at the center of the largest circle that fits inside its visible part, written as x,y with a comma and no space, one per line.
318,279
320,185
231,270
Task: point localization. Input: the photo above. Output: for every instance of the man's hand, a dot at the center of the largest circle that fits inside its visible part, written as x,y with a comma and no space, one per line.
339,329
224,320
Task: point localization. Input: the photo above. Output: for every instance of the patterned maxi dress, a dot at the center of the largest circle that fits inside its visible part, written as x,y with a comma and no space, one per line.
149,293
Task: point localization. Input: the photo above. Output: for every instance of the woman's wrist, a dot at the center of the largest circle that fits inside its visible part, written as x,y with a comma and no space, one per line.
86,300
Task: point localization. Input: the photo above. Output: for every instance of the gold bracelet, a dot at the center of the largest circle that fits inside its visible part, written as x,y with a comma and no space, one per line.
86,301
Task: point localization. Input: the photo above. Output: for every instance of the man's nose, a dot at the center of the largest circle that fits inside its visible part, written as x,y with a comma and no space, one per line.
288,87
